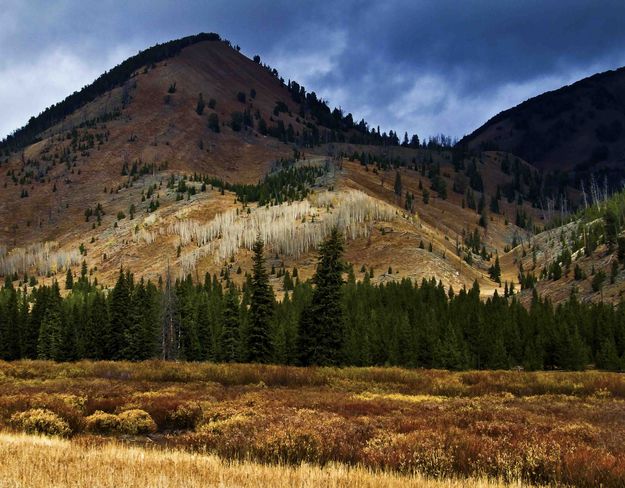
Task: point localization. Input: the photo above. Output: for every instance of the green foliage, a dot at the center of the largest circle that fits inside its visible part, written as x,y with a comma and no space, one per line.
397,186
259,346
597,281
495,271
439,186
611,226
321,324
287,183
69,279
230,334
326,321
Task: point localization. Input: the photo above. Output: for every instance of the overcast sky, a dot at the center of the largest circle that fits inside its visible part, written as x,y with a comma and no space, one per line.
418,66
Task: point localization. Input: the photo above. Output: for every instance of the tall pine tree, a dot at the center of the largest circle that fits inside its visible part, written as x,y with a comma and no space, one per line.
259,345
321,333
120,315
229,338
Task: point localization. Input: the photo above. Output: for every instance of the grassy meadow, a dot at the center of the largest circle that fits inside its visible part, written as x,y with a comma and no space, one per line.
150,423
62,463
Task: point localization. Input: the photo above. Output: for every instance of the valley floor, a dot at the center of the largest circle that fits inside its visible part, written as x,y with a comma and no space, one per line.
168,424
37,462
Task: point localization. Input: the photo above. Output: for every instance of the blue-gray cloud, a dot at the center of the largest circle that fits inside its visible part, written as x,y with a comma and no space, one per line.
416,66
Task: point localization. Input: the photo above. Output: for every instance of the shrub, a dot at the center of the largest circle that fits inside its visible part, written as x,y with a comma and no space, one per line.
185,416
102,423
213,122
236,121
597,281
136,422
41,421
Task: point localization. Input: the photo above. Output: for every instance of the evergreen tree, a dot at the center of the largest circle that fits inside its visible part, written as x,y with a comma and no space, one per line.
398,186
188,341
120,318
259,345
139,336
494,205
97,329
49,345
611,227
205,328
199,108
495,271
69,280
321,331
9,327
229,338
607,358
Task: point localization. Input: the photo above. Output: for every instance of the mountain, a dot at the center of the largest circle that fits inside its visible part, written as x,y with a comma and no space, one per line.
178,157
580,127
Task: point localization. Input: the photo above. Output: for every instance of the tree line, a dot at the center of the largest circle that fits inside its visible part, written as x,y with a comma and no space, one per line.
287,183
332,319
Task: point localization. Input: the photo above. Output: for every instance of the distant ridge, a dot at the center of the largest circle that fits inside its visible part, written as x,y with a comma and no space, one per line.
577,127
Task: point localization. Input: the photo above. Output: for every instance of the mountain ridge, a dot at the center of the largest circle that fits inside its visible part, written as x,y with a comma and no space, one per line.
189,141
576,127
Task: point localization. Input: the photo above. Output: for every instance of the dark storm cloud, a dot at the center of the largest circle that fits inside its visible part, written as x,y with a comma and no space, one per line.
425,67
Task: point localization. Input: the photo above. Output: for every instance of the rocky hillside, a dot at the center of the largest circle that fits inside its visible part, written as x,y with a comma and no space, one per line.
180,156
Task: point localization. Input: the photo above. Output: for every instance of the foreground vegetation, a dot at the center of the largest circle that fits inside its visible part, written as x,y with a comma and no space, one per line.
542,427
63,463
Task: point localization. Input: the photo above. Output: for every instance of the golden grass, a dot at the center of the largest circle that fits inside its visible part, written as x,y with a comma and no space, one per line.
37,462
555,428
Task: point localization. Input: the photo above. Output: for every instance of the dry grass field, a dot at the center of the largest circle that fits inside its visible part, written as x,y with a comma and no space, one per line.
539,428
37,462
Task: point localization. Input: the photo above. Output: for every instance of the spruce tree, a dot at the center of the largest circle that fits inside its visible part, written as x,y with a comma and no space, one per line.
495,271
30,337
49,345
188,339
397,186
135,344
607,358
69,280
170,324
259,345
321,333
199,108
204,328
229,337
97,329
120,308
611,227
10,327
